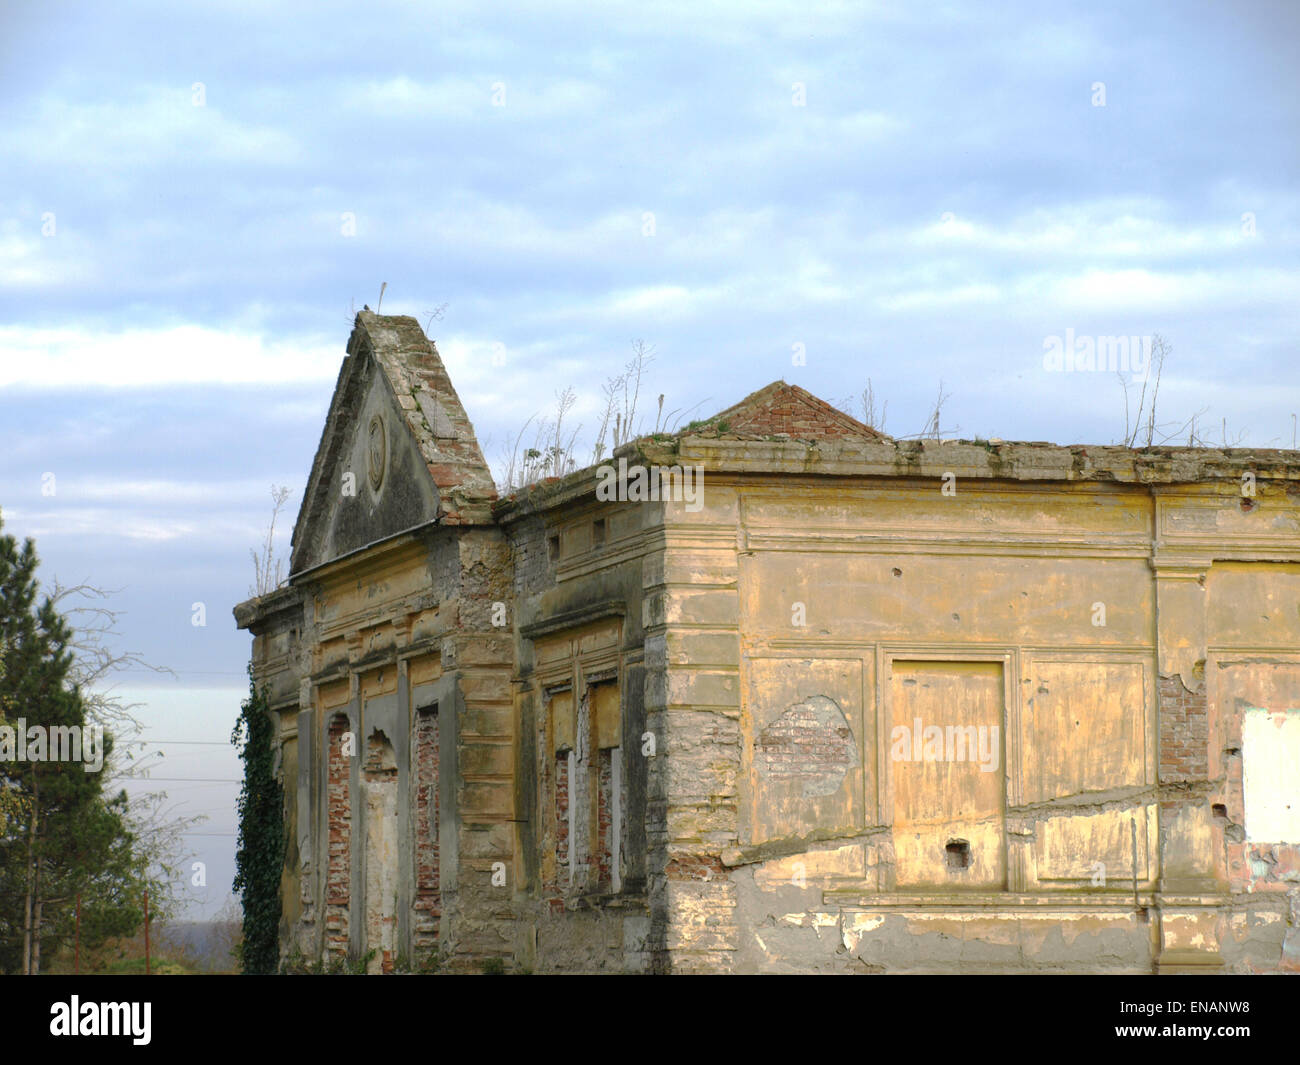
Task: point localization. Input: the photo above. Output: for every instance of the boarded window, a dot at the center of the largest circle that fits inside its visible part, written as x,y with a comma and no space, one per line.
948,782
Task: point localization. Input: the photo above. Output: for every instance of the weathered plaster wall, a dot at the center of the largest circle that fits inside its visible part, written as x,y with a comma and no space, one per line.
1253,683
1058,620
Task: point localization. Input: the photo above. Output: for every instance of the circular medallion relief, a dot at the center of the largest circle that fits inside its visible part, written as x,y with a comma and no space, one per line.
378,451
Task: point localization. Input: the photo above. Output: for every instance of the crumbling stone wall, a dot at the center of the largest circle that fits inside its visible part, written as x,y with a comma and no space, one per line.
693,709
581,777
605,800
1260,932
746,816
559,884
478,904
338,883
534,571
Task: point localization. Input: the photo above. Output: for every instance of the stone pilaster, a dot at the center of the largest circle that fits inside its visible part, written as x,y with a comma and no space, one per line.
693,709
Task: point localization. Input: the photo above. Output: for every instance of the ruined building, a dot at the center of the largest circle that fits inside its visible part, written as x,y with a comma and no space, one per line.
781,693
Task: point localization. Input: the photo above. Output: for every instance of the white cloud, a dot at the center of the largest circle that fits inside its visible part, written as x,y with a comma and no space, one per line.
29,260
1118,230
162,492
90,521
659,300
1188,291
930,299
156,123
467,97
136,358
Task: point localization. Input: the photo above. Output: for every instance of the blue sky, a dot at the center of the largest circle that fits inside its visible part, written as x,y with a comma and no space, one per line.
192,201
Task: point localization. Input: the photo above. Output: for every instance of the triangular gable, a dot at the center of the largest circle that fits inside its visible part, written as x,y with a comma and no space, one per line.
791,410
397,449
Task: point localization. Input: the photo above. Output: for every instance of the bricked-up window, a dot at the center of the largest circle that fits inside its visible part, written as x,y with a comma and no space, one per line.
584,790
338,885
561,765
563,820
428,885
606,807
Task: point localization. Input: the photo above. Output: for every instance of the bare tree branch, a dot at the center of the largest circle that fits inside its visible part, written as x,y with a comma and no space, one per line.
267,569
432,316
1159,349
95,660
869,416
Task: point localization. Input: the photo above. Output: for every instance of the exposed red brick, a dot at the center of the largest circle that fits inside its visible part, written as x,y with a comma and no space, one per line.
605,819
696,867
562,821
785,408
428,884
338,884
1184,732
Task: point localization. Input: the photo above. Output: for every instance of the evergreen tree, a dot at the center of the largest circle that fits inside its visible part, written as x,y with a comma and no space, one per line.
61,837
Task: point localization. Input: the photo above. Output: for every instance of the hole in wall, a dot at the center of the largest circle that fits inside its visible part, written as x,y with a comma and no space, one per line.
897,572
598,533
957,853
1247,505
552,547
1232,833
